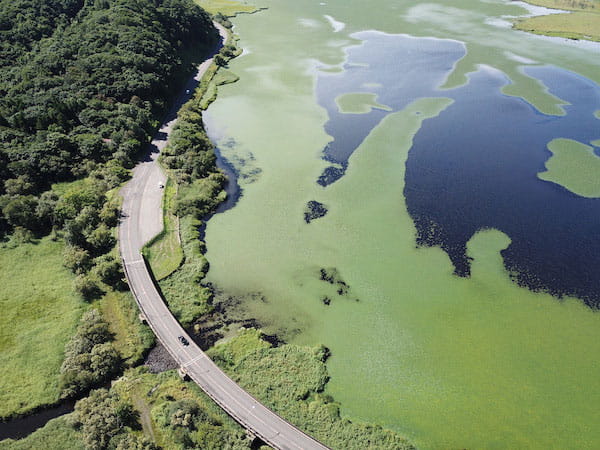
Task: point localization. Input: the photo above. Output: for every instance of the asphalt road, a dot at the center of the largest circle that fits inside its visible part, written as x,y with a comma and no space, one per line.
142,220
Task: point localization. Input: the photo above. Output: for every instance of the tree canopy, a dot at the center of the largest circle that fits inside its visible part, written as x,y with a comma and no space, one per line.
83,83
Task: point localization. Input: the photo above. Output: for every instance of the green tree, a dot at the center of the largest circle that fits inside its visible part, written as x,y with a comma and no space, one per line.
109,270
20,211
21,185
101,238
87,286
96,417
133,442
104,361
45,209
90,356
110,213
77,259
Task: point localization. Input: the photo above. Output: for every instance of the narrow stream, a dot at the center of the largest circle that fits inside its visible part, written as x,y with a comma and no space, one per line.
23,426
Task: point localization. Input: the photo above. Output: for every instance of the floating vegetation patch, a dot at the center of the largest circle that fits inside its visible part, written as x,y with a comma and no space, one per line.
331,174
341,289
314,210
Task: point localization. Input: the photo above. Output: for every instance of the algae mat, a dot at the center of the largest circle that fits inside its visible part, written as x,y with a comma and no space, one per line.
452,362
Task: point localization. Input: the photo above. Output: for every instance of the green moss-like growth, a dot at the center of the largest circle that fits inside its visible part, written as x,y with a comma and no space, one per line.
359,103
574,166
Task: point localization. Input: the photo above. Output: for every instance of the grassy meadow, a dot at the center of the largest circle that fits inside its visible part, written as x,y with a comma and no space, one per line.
39,313
188,300
226,7
582,23
290,380
568,5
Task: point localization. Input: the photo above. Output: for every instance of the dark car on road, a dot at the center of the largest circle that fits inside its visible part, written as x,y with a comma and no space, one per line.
183,340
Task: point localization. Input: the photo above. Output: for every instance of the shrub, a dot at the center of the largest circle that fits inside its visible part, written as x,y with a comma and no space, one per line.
90,356
110,271
87,286
77,259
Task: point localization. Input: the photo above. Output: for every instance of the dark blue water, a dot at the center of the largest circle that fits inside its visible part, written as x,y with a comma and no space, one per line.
23,426
475,165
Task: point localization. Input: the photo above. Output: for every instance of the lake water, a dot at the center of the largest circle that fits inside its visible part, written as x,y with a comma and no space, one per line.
421,128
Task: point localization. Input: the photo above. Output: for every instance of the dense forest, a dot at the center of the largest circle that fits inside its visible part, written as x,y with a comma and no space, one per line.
83,84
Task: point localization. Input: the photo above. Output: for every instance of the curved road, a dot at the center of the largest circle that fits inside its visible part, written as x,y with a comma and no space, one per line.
142,220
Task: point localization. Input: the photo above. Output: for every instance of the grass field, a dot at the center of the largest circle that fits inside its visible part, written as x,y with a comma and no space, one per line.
582,23
226,7
164,253
186,298
39,313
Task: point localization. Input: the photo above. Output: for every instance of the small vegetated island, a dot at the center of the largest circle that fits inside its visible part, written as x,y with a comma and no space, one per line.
83,87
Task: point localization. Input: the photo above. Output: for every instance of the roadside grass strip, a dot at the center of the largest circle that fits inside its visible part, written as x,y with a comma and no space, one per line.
164,252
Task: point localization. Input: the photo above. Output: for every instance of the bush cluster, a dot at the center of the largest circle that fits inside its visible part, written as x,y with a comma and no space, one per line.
190,156
90,356
104,421
190,426
84,215
186,297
